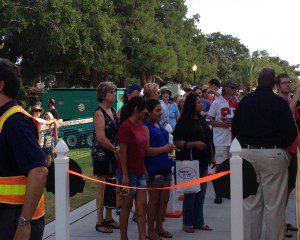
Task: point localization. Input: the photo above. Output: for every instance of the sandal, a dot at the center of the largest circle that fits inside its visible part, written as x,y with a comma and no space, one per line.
103,226
188,229
288,233
291,227
205,228
165,234
112,224
153,237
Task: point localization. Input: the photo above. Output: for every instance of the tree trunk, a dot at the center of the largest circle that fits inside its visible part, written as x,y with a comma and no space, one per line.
106,75
122,82
143,79
95,78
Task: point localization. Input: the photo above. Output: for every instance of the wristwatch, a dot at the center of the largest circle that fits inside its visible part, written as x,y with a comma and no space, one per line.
23,221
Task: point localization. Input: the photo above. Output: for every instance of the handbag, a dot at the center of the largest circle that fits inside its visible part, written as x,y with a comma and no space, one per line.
188,170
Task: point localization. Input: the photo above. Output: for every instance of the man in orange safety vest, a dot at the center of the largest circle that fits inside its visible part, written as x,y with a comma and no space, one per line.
23,171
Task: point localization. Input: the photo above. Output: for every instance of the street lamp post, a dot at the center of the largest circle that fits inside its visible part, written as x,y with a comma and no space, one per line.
194,68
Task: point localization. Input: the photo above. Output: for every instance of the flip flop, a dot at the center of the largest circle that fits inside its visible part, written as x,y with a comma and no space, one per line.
112,224
204,228
103,225
188,229
153,237
165,234
291,227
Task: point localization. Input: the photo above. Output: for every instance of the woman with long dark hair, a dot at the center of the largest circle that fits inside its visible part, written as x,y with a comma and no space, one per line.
131,170
158,167
193,134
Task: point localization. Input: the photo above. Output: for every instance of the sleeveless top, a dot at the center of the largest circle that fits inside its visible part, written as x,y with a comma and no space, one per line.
159,137
100,153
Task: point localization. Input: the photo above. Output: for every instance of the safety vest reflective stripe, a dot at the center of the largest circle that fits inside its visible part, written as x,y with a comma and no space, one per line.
12,189
13,180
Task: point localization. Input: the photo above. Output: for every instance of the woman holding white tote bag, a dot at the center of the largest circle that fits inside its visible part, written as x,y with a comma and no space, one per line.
193,139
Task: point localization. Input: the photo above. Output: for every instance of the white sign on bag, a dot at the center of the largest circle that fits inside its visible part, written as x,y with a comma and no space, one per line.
187,171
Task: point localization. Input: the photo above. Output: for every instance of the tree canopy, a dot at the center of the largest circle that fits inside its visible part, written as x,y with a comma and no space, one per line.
76,41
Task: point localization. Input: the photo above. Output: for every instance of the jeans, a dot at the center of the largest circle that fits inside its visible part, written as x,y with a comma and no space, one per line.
193,204
135,180
9,216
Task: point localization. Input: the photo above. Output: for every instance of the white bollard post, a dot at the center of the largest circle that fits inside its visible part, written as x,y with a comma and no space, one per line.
62,200
236,191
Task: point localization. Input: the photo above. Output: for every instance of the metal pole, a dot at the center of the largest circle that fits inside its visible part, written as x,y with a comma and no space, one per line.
236,191
62,200
194,78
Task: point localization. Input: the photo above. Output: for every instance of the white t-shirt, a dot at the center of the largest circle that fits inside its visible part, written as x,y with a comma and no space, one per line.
222,110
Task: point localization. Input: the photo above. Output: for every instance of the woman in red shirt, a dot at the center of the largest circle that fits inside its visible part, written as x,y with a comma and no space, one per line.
131,170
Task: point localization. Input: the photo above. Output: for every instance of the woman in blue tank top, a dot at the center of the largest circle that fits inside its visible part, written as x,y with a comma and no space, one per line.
158,166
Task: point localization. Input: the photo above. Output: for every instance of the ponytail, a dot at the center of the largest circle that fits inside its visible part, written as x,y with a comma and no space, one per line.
135,103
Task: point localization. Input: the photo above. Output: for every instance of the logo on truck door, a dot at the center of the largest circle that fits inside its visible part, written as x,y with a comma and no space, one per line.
81,107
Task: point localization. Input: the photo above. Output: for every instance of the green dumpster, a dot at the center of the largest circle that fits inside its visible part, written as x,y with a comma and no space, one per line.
76,103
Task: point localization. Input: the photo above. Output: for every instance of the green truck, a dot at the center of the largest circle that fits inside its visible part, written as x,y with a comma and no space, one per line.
76,108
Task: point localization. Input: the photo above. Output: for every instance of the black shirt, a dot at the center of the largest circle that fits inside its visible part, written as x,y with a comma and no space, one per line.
55,113
191,131
19,148
264,119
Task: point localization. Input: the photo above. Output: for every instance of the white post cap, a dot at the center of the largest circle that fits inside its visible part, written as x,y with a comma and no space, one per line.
61,147
235,146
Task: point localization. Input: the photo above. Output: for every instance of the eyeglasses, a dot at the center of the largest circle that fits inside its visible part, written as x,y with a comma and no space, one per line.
233,87
286,82
112,91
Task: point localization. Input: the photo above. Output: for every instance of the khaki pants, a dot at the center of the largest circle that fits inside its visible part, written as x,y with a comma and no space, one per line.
271,166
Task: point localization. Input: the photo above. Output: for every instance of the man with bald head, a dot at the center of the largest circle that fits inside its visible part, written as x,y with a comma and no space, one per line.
264,125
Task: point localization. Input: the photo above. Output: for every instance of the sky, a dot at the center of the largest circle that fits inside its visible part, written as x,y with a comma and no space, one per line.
272,25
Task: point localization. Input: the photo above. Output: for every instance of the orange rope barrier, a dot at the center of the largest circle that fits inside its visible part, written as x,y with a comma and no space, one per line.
182,185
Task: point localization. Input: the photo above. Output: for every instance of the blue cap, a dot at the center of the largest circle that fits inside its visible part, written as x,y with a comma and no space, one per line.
132,87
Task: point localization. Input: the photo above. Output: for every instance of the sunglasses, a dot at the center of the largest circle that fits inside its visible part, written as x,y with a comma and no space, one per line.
286,82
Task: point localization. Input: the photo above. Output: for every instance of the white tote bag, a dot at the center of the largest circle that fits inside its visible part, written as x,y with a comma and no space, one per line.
188,170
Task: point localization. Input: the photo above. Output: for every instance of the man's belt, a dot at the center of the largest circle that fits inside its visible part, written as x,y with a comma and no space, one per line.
248,146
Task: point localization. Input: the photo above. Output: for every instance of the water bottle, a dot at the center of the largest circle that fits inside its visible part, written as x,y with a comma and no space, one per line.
170,130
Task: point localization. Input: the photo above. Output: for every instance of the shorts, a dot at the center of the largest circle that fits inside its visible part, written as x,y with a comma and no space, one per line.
135,180
222,154
106,168
293,168
158,178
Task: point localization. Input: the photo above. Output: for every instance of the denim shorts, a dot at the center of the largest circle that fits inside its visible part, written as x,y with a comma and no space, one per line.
161,177
135,180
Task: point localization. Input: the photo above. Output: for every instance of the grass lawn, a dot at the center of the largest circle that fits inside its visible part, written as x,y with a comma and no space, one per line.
83,158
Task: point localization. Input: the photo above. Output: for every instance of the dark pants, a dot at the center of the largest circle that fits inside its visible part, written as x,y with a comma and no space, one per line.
193,205
9,216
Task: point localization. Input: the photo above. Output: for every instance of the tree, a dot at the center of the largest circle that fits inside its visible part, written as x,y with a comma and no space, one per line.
225,52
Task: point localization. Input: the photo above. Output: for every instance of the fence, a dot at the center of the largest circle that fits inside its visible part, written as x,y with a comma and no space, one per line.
77,134
62,202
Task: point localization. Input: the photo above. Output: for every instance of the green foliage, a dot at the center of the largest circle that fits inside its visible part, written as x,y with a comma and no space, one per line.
126,40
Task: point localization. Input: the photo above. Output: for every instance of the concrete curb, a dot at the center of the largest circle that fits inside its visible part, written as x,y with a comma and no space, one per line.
75,215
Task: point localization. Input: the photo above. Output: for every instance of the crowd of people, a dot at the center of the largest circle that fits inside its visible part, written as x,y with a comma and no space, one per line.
202,120
133,146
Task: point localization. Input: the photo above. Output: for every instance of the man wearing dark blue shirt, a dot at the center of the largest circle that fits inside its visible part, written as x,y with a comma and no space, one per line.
264,125
22,164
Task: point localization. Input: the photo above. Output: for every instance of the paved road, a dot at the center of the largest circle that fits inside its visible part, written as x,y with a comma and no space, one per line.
216,216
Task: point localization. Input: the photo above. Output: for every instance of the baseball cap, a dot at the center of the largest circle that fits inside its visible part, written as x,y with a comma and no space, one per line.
231,83
132,87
